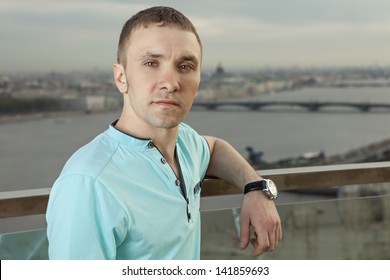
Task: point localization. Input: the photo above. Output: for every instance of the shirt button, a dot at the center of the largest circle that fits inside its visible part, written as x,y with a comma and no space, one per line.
163,160
150,145
177,182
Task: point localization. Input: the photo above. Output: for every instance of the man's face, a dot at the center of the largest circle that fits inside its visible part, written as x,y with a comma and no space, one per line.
163,75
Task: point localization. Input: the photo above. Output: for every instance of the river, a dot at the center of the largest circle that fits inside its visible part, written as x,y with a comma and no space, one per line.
32,152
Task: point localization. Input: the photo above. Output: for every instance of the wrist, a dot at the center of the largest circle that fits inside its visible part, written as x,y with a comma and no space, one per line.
265,185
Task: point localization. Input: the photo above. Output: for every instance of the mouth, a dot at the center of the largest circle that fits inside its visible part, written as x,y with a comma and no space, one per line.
166,102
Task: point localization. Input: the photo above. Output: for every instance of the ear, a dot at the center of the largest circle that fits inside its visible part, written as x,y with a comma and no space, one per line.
120,78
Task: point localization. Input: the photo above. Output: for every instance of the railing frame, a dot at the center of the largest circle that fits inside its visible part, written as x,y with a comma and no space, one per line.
34,201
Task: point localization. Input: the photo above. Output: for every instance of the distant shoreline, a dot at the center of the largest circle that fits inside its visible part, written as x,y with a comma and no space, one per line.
14,118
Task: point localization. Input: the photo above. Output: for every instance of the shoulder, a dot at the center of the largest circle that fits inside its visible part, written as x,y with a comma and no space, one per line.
189,140
91,158
188,136
194,150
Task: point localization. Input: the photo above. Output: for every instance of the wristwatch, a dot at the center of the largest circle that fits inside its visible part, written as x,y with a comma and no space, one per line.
266,185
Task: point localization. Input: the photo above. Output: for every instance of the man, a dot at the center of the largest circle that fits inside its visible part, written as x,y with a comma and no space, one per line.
133,192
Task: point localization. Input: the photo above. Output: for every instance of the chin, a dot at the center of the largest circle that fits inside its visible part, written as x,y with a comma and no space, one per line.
167,124
164,121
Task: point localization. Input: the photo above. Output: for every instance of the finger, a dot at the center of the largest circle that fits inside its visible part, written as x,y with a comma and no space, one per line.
275,237
280,233
260,244
258,249
278,236
254,242
244,233
272,240
277,231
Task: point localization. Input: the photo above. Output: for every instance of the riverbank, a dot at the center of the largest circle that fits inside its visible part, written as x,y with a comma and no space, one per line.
15,118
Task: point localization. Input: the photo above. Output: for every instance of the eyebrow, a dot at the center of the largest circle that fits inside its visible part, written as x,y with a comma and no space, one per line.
192,58
150,55
147,55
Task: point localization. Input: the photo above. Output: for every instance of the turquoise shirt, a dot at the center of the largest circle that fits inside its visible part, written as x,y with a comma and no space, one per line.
117,198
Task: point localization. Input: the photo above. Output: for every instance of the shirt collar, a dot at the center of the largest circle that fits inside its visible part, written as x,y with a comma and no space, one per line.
126,139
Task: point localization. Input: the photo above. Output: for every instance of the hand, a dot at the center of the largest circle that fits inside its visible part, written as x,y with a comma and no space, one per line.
259,212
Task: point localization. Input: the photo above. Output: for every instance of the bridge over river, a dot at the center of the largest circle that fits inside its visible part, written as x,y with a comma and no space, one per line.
307,105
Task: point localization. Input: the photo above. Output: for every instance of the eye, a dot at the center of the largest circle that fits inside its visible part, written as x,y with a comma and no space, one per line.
186,67
151,64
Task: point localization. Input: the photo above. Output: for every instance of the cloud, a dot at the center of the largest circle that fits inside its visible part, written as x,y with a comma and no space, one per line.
69,34
60,34
253,42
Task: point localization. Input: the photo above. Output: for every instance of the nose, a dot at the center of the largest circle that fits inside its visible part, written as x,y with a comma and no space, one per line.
169,80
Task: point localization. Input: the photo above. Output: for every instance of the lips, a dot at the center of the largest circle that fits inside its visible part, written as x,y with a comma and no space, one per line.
166,102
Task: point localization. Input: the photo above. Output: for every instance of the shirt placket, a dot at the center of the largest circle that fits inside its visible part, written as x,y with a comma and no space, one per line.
168,171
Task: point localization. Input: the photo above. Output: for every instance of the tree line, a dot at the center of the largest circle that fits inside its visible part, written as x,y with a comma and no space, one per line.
10,105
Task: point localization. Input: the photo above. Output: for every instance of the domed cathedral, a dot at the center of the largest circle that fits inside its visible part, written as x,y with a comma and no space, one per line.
4,81
4,86
219,71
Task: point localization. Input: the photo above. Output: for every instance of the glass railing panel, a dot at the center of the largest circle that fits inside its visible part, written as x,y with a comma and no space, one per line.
27,245
348,228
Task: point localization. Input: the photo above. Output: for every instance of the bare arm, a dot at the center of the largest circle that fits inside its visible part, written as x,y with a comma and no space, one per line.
257,209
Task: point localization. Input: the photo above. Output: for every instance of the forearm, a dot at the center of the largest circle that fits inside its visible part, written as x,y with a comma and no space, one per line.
227,164
257,210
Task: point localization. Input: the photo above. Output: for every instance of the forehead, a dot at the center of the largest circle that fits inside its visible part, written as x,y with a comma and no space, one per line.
165,39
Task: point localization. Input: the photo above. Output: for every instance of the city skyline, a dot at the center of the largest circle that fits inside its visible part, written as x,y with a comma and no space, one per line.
72,35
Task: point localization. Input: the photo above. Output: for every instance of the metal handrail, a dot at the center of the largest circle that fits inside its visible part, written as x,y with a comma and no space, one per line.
34,201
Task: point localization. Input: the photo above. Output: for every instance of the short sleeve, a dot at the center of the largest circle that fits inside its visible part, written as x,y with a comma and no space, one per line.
84,220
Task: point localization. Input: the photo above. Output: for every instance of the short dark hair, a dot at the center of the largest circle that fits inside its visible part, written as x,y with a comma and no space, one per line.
163,16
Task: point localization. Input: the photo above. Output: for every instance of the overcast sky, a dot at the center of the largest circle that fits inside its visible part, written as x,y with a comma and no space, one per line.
63,35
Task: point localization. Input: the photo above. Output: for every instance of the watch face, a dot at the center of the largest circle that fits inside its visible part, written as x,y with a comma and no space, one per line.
272,188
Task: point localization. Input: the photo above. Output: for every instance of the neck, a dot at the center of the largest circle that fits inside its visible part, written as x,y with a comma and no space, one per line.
163,138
